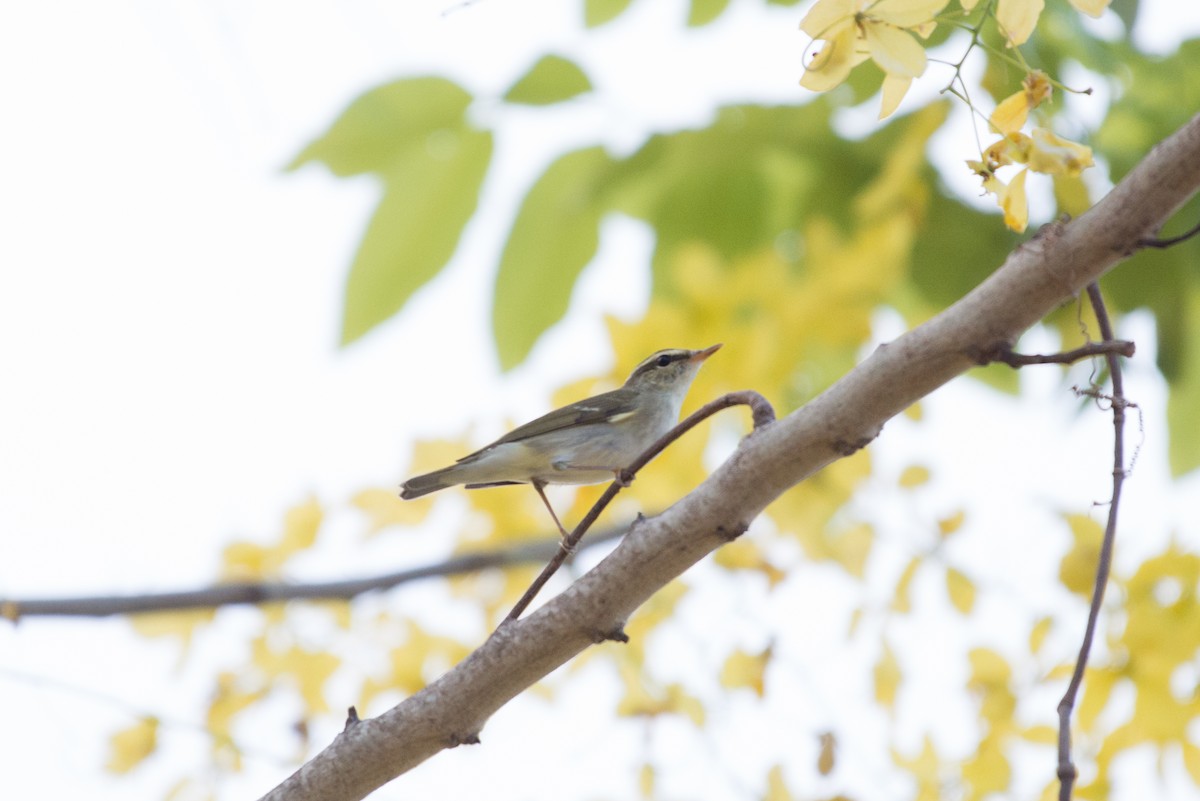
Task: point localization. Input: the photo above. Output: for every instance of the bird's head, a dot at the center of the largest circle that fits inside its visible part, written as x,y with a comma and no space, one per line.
669,370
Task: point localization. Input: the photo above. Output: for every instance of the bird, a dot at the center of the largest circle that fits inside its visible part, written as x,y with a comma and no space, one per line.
585,442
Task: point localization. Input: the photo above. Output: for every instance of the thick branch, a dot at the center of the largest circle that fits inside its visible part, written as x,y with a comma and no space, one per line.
1037,277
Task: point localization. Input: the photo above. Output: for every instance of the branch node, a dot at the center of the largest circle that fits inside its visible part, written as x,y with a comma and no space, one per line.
455,740
352,719
846,447
615,634
995,352
731,533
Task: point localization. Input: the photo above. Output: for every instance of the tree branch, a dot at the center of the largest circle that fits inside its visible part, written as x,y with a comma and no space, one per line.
1066,768
1003,352
260,592
1170,242
1038,276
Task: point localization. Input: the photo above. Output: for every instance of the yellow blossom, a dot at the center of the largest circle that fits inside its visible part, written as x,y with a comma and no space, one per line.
853,30
1053,155
1041,152
831,22
1012,149
1011,113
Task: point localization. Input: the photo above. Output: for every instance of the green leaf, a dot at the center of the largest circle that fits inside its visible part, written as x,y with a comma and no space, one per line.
428,198
703,12
725,206
1158,97
599,12
735,185
555,235
1127,10
414,136
753,179
386,124
552,79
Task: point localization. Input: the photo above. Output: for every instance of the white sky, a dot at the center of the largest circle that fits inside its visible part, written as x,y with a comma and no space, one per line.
169,299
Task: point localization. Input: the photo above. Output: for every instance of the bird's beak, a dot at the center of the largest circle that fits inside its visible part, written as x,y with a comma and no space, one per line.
700,355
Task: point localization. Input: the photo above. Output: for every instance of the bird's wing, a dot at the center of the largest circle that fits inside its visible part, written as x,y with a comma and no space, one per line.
599,409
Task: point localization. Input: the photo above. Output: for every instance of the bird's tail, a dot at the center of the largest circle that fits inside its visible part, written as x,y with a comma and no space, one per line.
417,486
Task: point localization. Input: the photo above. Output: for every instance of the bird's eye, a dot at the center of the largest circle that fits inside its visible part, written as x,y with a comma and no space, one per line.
663,360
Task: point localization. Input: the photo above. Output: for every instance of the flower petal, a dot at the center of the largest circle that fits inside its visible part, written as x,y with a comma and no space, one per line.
1054,155
1014,147
1015,204
894,50
905,13
1011,114
1018,18
833,61
894,89
821,18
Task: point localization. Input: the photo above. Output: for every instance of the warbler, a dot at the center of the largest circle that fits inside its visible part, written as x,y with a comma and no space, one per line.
586,442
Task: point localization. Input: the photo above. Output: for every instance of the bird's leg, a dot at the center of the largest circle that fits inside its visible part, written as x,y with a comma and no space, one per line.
537,485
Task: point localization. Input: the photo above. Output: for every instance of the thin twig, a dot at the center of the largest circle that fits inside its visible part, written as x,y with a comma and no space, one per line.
763,414
274,592
1066,768
1172,241
1003,353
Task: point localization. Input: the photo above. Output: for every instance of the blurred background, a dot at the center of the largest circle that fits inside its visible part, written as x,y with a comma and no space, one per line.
262,262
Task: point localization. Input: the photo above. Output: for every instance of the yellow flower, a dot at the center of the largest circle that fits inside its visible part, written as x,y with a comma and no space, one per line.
854,30
1011,196
1012,149
1011,113
1053,155
1041,152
